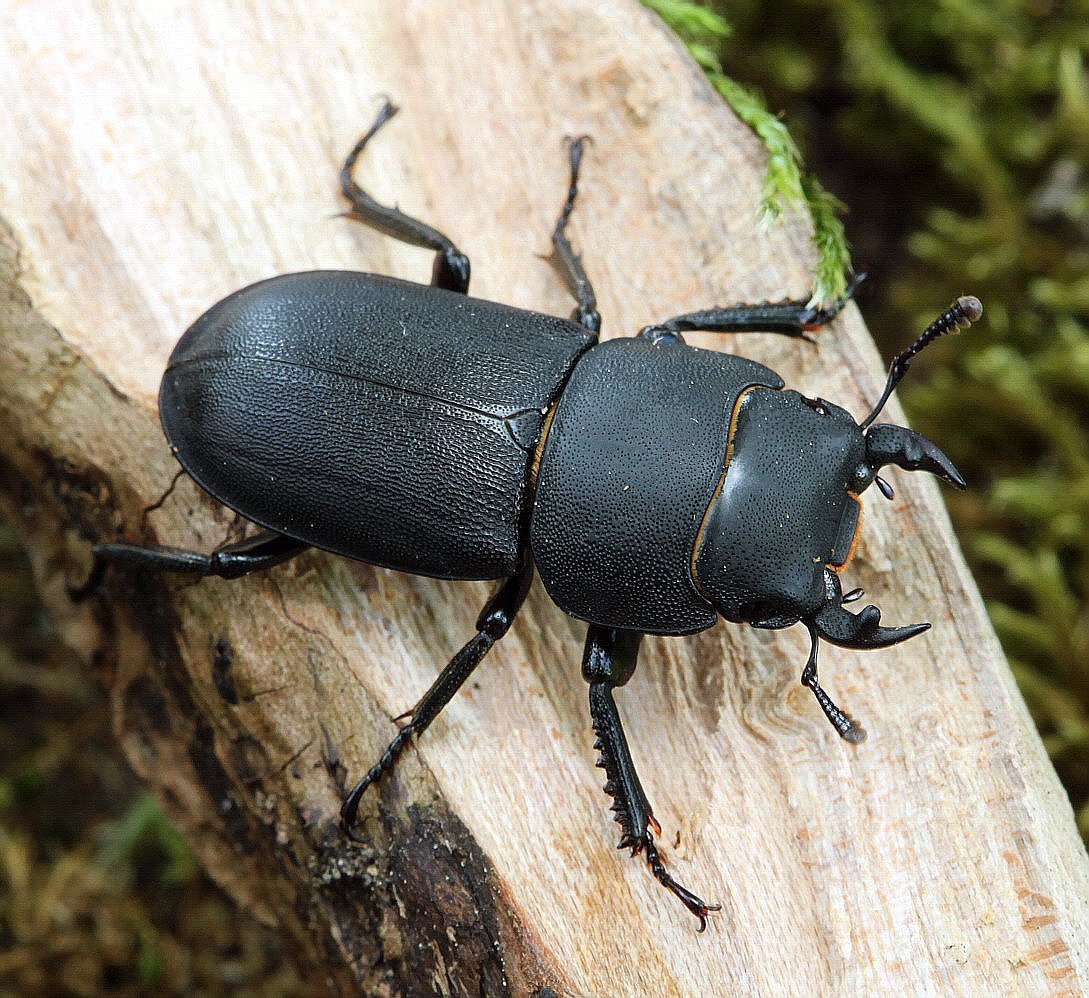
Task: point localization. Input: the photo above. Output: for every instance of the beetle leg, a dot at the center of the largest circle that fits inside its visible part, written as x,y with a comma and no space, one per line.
609,661
564,258
261,550
791,318
494,621
451,270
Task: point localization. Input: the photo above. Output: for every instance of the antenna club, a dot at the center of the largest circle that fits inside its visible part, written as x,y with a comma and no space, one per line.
960,315
970,307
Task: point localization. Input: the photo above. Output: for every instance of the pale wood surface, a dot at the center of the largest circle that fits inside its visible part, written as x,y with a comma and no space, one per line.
155,157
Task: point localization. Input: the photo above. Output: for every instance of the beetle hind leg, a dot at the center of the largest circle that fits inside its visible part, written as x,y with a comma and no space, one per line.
451,269
494,621
564,258
609,661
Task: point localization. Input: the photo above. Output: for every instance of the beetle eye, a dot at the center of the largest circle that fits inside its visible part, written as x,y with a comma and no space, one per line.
817,405
861,478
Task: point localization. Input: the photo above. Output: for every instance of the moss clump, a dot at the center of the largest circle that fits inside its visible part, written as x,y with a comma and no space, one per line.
785,184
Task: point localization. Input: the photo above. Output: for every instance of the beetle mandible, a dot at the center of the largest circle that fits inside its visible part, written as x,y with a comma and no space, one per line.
652,485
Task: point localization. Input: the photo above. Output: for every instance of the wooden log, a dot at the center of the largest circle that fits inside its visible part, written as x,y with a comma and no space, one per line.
156,158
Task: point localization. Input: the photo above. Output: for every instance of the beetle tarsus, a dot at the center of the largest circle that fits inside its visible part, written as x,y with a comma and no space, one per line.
349,811
817,316
700,908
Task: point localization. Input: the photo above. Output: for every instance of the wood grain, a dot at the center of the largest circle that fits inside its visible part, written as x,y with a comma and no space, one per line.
156,157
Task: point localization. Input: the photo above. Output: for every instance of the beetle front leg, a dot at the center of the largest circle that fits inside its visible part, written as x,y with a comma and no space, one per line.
609,661
494,621
451,269
790,318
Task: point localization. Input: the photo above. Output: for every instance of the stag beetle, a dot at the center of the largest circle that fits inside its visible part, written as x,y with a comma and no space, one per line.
653,485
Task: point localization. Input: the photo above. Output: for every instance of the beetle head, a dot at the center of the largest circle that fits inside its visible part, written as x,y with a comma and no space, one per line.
884,444
887,444
787,506
786,516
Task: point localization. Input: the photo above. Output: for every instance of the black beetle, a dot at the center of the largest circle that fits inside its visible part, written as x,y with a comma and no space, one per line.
654,486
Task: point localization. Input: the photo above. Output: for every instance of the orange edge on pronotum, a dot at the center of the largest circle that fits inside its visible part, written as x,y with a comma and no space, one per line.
854,540
731,431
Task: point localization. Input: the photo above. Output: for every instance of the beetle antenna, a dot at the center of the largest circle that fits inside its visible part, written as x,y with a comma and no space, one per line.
960,315
846,726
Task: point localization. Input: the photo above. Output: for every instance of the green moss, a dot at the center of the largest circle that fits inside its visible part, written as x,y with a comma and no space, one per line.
143,839
785,185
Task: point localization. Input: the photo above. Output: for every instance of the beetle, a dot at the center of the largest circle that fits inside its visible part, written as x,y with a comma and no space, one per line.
653,486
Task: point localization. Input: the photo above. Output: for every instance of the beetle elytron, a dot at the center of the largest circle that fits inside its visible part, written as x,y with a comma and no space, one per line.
654,486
